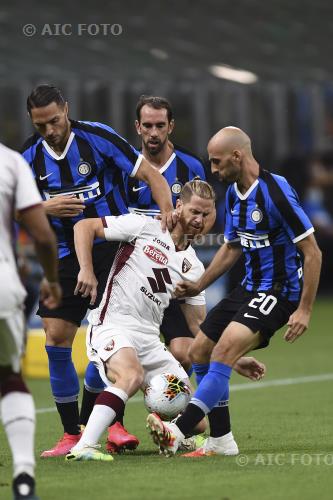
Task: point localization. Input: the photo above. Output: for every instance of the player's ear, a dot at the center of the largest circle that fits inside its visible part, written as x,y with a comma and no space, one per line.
179,206
171,125
137,126
66,108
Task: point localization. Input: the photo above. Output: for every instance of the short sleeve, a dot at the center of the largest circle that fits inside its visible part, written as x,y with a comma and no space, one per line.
289,211
123,227
26,193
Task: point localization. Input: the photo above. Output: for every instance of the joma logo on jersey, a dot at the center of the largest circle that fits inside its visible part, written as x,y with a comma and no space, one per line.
84,193
155,254
164,245
253,243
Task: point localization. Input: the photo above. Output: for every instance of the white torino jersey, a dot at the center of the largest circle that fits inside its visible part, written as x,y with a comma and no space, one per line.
144,274
18,191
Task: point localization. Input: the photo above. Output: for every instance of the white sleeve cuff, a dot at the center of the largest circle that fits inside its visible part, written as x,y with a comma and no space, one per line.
304,235
137,165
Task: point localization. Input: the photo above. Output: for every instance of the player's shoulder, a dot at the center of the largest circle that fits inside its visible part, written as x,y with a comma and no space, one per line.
91,127
188,156
271,178
9,156
32,141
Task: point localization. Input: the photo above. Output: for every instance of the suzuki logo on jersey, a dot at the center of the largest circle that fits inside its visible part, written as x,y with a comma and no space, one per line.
253,240
186,266
155,254
84,193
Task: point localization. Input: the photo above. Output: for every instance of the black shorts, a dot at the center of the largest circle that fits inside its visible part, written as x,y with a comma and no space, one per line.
263,311
174,324
73,308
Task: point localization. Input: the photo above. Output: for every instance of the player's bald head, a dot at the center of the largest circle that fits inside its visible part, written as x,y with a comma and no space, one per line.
229,139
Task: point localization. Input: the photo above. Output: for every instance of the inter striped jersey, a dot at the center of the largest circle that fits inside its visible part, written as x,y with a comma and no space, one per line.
268,221
90,167
180,168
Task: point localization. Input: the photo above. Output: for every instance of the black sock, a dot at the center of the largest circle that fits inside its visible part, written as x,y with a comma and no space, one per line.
189,419
69,414
88,401
219,421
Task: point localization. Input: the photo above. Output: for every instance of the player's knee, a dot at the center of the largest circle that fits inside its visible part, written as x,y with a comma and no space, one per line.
199,354
131,379
59,337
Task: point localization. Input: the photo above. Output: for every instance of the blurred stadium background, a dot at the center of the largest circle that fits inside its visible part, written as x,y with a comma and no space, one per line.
265,67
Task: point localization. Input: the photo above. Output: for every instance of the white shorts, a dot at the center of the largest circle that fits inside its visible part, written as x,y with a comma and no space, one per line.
12,340
103,342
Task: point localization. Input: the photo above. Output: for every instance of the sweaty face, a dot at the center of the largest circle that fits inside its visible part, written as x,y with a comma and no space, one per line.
154,128
194,214
51,122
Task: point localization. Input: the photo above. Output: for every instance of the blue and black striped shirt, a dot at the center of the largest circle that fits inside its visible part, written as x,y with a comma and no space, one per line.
268,221
91,167
180,168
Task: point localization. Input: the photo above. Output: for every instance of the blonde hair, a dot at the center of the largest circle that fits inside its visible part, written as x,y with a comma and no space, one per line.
198,187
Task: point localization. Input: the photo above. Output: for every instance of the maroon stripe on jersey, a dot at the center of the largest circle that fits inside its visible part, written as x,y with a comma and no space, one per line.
104,222
121,258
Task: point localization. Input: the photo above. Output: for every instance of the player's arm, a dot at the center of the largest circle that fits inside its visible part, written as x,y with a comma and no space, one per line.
160,191
194,315
299,320
64,206
35,221
85,231
222,262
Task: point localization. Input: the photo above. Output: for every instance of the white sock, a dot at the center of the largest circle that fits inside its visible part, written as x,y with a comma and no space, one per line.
18,418
101,417
99,420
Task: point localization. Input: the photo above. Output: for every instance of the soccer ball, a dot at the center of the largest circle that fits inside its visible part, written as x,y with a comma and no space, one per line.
166,395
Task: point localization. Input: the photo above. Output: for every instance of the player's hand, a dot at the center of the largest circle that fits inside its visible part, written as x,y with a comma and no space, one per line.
50,293
250,367
297,324
168,220
87,285
187,289
64,206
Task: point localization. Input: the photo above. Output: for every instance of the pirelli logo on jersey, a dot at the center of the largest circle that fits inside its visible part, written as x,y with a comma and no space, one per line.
155,254
249,240
84,193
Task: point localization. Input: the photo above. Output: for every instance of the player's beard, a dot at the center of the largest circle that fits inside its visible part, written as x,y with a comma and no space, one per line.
156,148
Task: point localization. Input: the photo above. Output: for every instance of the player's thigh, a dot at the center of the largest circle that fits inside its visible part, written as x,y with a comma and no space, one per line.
59,332
124,364
12,340
174,324
237,340
264,312
72,308
201,348
219,317
156,359
114,353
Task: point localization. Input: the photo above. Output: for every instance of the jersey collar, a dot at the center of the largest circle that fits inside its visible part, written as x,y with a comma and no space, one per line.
53,153
248,192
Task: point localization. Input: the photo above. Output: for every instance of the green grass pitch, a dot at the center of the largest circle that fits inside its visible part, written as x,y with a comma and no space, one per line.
284,432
